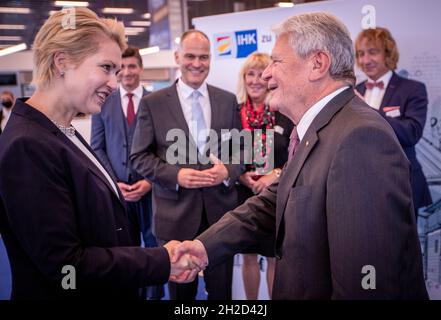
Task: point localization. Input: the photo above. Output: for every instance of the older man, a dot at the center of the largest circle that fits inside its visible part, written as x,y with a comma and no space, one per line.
340,224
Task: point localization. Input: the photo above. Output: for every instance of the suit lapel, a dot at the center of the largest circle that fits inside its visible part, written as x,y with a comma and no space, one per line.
144,93
120,119
390,90
215,110
291,172
361,88
304,149
29,112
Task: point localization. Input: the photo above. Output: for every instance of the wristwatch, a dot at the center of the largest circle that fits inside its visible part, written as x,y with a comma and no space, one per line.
277,171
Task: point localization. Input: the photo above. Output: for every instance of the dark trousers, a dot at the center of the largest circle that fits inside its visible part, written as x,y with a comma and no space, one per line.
218,279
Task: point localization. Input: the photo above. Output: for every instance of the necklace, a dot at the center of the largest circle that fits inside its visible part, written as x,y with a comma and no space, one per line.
68,131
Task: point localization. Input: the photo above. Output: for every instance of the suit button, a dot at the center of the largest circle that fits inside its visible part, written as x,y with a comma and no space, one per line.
124,163
278,256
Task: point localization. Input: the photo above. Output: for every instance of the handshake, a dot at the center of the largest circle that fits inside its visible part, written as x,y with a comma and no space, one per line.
187,259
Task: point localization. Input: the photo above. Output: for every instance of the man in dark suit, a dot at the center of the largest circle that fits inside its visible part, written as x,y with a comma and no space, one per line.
340,224
111,139
402,102
188,196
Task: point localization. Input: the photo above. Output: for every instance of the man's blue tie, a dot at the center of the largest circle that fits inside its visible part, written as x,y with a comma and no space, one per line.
199,135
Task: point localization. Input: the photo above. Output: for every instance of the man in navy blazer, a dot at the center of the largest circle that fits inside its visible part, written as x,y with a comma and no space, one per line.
330,239
402,102
111,139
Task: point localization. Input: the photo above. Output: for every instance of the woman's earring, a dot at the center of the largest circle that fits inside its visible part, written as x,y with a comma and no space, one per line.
62,73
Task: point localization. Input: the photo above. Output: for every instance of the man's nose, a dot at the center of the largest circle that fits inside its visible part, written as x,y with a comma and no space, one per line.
196,63
365,58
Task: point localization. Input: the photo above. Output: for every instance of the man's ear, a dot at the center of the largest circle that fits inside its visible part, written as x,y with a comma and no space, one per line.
60,61
320,62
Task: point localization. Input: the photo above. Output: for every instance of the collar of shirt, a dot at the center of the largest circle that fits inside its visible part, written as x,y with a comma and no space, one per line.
312,112
385,78
94,159
137,92
137,96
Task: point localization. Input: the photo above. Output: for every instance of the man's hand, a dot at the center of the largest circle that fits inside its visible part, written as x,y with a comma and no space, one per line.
124,188
135,191
264,182
190,178
196,250
247,179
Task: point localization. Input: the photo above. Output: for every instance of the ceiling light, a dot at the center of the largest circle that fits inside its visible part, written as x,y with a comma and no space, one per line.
148,50
71,3
140,23
12,26
14,10
146,15
118,10
13,49
284,4
10,38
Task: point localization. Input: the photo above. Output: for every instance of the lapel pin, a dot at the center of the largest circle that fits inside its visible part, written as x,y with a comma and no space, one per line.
307,143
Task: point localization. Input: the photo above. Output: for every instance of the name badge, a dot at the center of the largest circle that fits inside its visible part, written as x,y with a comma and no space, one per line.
278,129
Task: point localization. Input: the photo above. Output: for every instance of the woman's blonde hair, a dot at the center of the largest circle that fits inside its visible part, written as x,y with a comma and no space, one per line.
75,31
257,60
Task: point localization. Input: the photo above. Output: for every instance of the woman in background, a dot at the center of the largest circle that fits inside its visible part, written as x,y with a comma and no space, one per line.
256,114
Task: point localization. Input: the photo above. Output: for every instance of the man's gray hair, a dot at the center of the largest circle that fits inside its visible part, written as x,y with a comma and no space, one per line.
319,31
